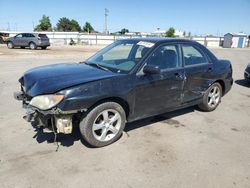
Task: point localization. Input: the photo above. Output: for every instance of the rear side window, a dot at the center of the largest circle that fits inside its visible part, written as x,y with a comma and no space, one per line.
193,56
29,35
42,36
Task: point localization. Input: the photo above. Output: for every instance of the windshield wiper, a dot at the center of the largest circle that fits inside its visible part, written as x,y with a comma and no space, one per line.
98,66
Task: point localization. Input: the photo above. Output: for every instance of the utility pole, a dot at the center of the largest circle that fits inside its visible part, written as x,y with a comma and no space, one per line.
106,20
8,26
16,26
33,24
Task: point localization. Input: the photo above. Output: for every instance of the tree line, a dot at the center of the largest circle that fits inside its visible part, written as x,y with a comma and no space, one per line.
70,25
63,24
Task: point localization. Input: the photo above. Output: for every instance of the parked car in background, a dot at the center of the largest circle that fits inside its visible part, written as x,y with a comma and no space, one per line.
128,80
3,37
31,40
247,73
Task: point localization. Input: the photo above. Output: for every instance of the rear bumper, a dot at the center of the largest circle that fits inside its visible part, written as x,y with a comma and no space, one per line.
228,85
42,45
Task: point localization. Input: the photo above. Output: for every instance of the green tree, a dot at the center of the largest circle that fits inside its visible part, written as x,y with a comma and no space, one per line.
75,25
170,32
123,31
65,24
44,24
88,27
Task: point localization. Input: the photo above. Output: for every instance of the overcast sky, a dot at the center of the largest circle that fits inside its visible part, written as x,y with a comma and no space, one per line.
197,16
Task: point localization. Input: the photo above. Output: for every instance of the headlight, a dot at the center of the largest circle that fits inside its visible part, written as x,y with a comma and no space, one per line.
45,102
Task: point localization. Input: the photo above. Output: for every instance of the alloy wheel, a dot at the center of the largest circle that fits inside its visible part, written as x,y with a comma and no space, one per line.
214,96
10,45
107,125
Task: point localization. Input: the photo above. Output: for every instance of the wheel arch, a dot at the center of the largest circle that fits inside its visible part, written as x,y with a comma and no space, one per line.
9,41
222,83
124,104
32,42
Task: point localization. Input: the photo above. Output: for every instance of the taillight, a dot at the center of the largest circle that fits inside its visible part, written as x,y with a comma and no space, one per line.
39,39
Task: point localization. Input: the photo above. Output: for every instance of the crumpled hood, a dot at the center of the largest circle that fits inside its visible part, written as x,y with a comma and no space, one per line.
52,78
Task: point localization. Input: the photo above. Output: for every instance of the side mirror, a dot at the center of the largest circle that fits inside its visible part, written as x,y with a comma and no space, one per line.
149,69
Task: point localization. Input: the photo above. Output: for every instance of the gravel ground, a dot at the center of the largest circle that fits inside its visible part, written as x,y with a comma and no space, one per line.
185,148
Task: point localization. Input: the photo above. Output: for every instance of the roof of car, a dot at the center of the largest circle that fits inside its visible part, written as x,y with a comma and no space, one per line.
160,40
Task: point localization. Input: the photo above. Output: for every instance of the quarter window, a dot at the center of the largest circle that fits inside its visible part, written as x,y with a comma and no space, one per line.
165,57
30,35
192,56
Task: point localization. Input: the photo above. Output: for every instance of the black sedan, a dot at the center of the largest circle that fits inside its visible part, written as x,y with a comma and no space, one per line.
128,80
247,73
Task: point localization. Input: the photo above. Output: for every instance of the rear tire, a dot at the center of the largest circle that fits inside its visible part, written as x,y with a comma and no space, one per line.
44,47
211,98
10,45
32,46
103,125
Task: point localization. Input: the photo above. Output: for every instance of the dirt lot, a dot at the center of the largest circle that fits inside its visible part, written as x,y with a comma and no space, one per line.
186,148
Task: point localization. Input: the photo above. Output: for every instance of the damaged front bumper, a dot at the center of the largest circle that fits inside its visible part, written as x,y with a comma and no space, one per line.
54,119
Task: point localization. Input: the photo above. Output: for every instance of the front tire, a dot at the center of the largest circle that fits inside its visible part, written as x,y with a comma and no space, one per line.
211,98
44,47
103,125
10,45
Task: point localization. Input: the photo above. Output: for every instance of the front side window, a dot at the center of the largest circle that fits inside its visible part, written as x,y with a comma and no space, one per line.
165,57
193,56
121,56
19,36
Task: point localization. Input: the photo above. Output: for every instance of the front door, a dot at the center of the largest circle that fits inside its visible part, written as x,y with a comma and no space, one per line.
155,93
18,40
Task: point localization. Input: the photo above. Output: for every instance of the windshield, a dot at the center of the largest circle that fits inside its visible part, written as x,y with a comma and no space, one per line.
121,56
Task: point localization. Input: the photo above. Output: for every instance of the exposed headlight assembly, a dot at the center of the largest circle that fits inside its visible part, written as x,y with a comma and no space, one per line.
45,102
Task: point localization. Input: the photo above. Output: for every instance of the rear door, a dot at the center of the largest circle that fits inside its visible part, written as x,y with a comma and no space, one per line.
29,38
156,93
198,72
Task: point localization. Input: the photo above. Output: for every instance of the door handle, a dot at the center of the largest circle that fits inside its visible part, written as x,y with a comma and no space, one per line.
209,69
